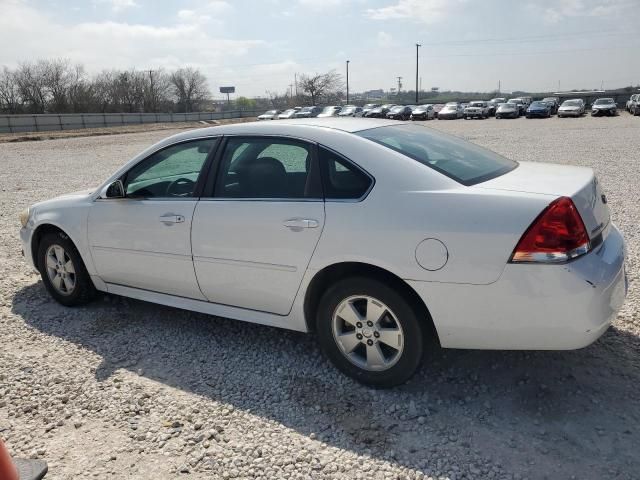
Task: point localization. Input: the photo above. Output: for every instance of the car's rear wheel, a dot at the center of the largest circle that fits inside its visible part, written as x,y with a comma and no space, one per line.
370,332
63,272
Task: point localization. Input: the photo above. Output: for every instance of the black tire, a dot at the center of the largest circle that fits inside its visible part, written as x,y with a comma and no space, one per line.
84,290
411,355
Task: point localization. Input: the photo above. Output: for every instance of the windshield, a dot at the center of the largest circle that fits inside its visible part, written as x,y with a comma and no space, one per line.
539,104
290,110
604,101
515,100
397,109
464,162
476,104
347,110
508,106
571,103
370,105
451,104
271,112
549,99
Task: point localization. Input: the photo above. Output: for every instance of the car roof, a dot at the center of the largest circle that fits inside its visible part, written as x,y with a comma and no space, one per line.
349,125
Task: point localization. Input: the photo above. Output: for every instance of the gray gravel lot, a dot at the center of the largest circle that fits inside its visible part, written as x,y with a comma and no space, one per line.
126,389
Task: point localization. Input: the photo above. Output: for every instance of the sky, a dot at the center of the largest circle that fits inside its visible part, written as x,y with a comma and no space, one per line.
259,45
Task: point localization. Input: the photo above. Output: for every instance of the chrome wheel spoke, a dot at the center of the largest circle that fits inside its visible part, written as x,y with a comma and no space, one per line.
391,337
375,357
68,283
348,342
51,262
59,253
349,314
375,311
69,268
57,282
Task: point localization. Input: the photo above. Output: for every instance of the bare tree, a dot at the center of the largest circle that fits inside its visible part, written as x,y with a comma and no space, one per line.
32,86
9,91
190,88
156,91
319,85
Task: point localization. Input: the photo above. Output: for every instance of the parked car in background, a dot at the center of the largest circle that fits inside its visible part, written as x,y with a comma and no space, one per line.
476,109
423,112
539,109
377,236
571,108
368,107
269,115
437,108
330,111
522,107
308,112
451,111
399,112
555,103
634,106
350,111
508,110
380,112
630,102
604,106
493,104
288,113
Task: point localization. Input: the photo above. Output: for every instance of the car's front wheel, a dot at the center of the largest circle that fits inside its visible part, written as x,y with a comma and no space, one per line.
370,332
63,272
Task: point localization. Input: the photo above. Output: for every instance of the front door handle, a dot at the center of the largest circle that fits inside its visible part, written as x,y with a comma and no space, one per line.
300,223
171,218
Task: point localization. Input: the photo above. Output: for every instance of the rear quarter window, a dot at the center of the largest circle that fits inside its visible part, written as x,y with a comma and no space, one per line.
462,161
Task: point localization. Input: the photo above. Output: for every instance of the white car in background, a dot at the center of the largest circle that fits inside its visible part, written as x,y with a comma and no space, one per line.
376,235
330,111
571,108
287,114
269,115
351,111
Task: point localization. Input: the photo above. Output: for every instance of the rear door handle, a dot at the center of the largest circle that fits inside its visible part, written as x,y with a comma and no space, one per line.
170,218
300,223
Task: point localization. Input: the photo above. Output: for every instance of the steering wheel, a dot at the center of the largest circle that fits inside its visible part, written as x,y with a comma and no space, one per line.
182,187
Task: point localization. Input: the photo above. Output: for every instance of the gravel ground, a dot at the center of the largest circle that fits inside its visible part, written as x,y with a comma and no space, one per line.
126,389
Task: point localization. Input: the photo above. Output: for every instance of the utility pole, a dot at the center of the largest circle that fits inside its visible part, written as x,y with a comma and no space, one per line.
499,86
295,82
152,94
291,92
348,82
399,84
417,90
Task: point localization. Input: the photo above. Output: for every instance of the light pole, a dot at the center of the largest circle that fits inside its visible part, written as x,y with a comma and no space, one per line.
417,91
348,82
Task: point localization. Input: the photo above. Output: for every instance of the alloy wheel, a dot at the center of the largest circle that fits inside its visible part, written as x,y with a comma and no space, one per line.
367,333
60,270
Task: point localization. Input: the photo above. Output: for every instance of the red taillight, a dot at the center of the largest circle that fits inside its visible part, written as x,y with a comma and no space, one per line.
557,235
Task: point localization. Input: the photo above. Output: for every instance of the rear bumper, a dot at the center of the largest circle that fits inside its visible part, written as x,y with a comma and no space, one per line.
533,307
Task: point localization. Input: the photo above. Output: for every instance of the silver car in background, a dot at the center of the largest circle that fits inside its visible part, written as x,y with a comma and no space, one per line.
508,110
330,111
350,111
571,108
289,113
604,106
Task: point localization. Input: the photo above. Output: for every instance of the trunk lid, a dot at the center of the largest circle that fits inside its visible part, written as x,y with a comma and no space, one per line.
578,183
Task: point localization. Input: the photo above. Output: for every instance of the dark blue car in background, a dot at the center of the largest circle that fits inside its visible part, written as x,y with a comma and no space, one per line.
539,109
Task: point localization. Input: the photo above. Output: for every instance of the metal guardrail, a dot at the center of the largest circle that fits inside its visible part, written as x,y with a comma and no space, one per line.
51,121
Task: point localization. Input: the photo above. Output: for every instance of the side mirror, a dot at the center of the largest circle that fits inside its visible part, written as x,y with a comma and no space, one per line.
114,190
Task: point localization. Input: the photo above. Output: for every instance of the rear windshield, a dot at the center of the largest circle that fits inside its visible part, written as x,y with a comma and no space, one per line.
462,161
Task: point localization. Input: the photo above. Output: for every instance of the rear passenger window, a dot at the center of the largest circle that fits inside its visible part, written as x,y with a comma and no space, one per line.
341,179
259,168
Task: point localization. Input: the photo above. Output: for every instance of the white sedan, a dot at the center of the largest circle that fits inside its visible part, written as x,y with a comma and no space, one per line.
377,235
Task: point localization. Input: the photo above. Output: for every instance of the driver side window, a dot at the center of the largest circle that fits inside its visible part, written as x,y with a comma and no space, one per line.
171,172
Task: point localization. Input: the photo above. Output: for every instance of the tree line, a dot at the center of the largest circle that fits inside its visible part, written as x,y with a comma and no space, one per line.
58,86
